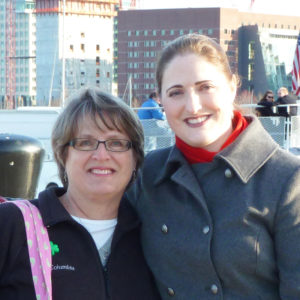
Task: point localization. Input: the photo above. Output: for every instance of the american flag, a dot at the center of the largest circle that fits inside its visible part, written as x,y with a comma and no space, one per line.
296,69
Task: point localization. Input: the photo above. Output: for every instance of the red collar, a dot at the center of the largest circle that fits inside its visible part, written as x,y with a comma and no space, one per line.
198,155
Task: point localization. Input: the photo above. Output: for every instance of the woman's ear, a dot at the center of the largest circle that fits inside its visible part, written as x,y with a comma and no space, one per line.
233,86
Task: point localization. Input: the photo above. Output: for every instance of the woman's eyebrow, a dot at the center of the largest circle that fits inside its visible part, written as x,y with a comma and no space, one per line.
174,86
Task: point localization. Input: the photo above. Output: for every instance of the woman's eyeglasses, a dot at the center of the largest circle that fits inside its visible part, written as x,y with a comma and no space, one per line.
89,144
270,97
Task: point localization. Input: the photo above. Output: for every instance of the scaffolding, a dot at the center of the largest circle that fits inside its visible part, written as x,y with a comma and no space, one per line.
103,8
10,52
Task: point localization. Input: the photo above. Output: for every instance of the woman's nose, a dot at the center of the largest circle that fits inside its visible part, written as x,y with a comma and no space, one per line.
101,152
193,103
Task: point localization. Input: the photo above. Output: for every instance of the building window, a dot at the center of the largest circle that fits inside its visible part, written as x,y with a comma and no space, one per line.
232,31
200,31
163,32
107,74
71,48
250,71
181,32
82,47
146,43
154,32
97,73
191,31
172,32
129,33
210,31
225,30
145,32
98,48
137,33
251,50
97,60
82,34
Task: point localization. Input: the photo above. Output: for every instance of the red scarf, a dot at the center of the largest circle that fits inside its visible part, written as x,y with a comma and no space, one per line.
199,155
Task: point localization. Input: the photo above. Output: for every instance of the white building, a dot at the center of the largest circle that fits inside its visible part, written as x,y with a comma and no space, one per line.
79,34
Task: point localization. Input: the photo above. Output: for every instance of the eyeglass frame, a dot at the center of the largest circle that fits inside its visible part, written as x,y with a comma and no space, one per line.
271,97
73,141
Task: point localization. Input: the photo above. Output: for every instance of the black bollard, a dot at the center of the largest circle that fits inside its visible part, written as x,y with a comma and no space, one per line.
21,159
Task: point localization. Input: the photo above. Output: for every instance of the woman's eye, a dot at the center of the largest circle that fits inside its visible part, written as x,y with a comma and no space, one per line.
175,93
207,87
85,143
116,143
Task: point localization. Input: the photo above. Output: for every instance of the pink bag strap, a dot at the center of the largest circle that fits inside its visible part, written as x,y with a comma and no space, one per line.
38,247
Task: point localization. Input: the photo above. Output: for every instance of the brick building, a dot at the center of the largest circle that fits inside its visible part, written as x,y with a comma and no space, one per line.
260,47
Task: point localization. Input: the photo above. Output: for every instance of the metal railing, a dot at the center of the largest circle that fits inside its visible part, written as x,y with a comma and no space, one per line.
284,130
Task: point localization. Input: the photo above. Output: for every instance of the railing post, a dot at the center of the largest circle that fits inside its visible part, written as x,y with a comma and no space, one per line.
287,132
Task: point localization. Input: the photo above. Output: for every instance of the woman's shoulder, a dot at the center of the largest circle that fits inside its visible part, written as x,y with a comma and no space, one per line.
158,156
10,215
11,223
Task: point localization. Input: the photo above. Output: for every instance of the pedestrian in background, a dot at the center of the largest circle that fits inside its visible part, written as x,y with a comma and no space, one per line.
151,109
266,105
283,99
220,210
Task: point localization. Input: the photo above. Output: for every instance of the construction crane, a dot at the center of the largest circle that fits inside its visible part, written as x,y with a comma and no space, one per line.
10,51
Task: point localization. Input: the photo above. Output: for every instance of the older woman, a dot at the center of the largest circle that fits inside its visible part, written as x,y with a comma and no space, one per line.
221,208
98,145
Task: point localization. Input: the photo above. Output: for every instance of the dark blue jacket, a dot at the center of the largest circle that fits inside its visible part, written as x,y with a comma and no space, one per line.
77,272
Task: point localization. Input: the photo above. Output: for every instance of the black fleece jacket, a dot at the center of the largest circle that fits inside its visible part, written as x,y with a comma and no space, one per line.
77,272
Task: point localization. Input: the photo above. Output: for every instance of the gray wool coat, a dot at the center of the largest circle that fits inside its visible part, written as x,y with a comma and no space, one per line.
229,229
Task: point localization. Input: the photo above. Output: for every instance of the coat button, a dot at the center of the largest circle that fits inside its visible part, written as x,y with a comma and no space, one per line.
164,228
228,173
205,229
171,292
214,289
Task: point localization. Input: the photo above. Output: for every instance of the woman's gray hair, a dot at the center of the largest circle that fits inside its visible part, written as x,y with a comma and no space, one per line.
94,103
